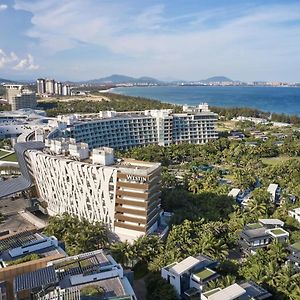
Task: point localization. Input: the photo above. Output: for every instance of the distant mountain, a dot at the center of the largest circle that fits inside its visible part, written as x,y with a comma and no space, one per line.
117,79
2,80
217,79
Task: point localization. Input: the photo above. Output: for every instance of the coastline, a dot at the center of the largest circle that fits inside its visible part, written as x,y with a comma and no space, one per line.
280,100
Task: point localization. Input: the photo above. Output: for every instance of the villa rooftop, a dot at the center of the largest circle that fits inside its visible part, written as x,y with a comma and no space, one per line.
205,274
275,222
295,246
231,292
184,265
254,226
277,232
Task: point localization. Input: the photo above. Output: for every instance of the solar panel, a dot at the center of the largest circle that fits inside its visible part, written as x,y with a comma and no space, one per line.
35,279
17,240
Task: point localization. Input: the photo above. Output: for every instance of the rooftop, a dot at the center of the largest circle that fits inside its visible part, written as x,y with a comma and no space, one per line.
275,222
79,273
184,265
254,291
18,240
278,232
255,233
205,274
296,246
231,292
272,188
254,226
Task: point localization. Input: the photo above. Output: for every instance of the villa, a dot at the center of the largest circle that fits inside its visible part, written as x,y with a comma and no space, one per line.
259,235
189,276
242,291
295,213
294,257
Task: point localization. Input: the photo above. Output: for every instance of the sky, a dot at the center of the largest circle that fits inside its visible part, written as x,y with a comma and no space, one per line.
167,39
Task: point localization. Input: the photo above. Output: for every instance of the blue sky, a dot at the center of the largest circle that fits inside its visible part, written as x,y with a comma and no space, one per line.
171,39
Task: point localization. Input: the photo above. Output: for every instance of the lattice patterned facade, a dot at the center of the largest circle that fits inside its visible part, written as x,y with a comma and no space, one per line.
78,188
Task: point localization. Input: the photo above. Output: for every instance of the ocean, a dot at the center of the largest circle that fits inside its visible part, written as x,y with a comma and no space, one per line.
272,99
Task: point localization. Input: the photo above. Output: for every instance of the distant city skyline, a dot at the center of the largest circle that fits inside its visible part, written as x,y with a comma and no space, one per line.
181,40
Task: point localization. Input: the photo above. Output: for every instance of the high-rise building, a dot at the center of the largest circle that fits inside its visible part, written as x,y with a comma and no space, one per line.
26,99
123,130
58,88
41,85
123,194
50,86
12,90
66,91
19,97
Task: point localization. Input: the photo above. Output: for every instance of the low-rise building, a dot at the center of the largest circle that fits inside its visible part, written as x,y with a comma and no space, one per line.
242,291
274,191
189,276
92,275
295,213
261,234
24,252
294,258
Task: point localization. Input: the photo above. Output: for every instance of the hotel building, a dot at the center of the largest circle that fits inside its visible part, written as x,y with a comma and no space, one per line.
123,194
123,130
19,97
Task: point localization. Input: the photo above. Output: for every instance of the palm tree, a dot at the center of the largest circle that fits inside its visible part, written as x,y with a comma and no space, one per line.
277,251
194,185
257,208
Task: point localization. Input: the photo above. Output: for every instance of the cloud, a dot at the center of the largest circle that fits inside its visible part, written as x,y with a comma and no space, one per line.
3,7
12,61
6,59
26,64
250,38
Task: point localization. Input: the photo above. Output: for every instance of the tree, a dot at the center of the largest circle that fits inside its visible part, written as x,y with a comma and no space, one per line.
277,252
78,234
158,288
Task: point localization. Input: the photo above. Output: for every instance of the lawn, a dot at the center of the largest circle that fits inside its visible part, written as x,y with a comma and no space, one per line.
205,274
254,226
273,161
277,231
12,157
226,126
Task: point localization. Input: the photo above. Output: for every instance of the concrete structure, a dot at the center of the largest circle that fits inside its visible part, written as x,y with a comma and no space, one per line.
18,97
15,252
27,99
12,90
294,258
234,193
124,130
274,191
260,235
66,90
242,291
50,86
74,277
124,194
41,86
295,213
190,275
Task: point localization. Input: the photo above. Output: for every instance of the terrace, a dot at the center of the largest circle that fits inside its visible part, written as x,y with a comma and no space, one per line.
205,274
278,233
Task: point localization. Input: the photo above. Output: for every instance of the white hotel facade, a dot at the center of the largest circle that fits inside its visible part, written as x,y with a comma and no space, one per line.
123,194
123,130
